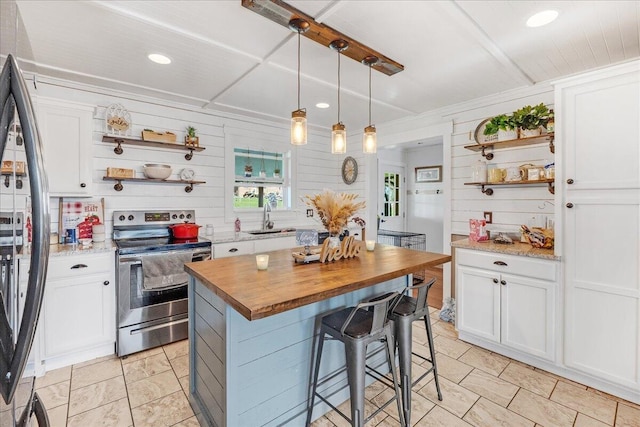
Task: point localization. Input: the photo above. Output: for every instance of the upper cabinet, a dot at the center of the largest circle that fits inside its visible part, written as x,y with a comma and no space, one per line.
67,138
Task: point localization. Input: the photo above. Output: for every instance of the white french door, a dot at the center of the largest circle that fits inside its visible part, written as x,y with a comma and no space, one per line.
391,197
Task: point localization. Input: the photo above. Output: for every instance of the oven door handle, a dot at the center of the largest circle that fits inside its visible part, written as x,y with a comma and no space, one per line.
136,259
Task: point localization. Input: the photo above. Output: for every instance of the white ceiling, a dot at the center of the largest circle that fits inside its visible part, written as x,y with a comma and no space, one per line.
226,57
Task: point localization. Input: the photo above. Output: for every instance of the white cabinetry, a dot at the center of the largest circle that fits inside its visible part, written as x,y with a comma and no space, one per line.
507,300
247,247
67,140
599,168
78,315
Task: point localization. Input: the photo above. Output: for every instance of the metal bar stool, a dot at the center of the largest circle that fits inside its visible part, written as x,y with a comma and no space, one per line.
404,311
357,327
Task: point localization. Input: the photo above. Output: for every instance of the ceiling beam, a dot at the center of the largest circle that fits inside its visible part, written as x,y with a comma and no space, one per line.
281,13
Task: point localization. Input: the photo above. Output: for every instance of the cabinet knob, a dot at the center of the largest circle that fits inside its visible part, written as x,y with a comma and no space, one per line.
570,181
569,205
106,283
495,280
83,185
503,282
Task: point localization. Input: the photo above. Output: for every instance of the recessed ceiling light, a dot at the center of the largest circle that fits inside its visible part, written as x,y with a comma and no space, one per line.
159,59
542,18
322,105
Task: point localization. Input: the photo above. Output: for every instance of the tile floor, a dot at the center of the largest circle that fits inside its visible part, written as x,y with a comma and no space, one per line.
479,388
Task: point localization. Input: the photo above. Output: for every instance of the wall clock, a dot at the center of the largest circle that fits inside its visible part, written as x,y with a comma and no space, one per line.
349,170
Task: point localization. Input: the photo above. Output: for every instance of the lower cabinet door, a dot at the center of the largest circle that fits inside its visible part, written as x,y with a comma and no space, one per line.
528,315
478,307
78,313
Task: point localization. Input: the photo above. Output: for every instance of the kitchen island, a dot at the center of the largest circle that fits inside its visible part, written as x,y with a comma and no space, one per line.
251,332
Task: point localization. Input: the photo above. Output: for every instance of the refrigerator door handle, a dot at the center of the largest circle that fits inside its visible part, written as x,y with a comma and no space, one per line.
13,85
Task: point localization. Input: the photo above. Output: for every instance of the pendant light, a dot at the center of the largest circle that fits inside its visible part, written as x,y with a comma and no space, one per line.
299,116
369,138
338,131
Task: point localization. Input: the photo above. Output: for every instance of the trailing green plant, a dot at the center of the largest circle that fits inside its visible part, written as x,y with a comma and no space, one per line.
529,117
499,122
191,132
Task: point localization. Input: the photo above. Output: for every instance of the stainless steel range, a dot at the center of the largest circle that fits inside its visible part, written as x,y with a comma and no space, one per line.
151,282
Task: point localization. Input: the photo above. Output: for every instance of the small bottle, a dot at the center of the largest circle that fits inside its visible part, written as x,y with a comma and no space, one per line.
237,225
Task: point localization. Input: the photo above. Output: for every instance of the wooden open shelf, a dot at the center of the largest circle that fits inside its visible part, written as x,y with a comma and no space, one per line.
512,143
489,191
139,142
118,185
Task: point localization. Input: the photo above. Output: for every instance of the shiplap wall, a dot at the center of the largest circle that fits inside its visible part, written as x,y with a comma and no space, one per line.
316,168
511,206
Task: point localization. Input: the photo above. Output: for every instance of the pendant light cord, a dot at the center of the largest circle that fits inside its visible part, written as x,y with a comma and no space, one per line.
338,86
298,69
369,94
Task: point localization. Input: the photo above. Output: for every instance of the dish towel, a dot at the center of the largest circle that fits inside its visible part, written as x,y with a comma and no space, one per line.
165,271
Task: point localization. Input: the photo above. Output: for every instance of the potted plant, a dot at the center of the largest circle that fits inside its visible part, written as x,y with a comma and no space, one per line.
531,119
248,170
276,172
503,125
191,139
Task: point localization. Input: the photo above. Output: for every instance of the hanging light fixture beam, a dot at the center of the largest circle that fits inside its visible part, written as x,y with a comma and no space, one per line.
282,13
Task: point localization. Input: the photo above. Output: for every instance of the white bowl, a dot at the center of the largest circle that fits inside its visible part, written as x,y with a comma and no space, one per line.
154,171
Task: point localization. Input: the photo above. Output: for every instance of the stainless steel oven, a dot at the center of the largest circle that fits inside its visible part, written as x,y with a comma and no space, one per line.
151,282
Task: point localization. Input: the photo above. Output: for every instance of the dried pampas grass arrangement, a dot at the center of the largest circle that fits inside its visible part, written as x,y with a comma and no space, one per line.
334,209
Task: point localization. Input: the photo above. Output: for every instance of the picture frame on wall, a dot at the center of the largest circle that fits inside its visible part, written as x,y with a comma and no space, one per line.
429,173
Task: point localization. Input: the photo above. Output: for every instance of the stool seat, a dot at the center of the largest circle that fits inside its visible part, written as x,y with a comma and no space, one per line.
357,327
405,307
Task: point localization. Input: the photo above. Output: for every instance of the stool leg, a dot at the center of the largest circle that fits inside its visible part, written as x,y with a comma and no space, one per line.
404,421
403,328
356,360
314,379
427,323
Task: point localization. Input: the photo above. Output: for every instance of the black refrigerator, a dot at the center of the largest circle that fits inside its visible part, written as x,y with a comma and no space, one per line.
20,405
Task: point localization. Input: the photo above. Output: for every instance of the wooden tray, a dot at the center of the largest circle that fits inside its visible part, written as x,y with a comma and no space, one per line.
158,136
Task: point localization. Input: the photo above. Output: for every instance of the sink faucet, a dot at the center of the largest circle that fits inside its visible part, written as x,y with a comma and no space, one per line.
266,223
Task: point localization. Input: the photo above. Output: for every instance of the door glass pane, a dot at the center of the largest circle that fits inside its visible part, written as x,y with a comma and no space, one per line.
391,194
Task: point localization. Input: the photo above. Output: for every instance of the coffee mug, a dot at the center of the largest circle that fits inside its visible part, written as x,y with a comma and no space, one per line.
496,175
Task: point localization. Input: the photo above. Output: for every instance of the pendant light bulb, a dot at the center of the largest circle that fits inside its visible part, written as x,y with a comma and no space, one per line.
338,139
338,131
299,116
369,137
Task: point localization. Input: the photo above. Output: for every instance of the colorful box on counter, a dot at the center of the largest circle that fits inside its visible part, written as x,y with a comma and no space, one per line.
80,215
477,230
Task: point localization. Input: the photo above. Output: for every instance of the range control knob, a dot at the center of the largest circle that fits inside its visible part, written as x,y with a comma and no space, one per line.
181,216
174,216
188,216
131,217
121,217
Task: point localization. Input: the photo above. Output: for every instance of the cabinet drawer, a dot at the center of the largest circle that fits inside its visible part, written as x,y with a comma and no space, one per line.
80,265
266,245
519,265
223,250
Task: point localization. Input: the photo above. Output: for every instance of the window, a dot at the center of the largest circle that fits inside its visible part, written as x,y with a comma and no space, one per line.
260,177
391,194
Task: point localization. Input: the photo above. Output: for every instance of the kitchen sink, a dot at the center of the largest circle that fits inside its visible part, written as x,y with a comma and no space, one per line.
273,231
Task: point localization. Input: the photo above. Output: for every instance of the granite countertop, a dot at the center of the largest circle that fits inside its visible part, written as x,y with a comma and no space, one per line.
69,250
517,248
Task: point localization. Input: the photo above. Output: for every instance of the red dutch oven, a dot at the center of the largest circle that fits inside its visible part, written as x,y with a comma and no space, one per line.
184,231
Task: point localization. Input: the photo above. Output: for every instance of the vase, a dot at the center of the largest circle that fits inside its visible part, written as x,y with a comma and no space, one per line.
334,240
528,133
506,135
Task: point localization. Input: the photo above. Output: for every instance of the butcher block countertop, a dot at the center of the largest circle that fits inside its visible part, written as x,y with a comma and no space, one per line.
286,285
